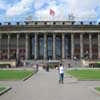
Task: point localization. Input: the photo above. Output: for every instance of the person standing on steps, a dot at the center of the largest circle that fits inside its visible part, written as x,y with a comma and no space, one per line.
36,67
61,74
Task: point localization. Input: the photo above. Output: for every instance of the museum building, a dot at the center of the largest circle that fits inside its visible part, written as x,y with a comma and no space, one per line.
54,40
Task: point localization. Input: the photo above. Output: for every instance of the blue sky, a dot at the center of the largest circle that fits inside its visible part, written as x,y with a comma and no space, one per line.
20,10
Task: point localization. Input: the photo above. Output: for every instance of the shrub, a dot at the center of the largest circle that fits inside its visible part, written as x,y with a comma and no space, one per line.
97,65
5,65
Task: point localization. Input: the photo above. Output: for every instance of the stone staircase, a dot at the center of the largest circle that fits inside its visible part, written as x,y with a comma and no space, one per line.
71,63
67,63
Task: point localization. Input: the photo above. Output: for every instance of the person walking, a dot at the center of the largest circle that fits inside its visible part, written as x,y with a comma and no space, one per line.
47,68
61,74
37,67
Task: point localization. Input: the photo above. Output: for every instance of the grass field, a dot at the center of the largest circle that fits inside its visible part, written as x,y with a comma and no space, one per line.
89,74
14,74
98,89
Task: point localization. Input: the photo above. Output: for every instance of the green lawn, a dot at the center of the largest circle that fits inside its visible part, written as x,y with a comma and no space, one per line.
98,89
92,74
14,74
2,88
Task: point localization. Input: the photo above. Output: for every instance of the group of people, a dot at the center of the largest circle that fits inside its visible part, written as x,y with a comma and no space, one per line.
60,71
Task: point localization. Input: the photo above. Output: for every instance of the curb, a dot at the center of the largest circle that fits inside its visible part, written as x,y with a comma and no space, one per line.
87,80
5,90
26,78
95,91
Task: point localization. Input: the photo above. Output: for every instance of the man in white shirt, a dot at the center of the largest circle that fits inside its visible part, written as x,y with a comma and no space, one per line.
61,73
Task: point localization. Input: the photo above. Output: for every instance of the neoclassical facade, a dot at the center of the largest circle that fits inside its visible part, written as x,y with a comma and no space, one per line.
43,40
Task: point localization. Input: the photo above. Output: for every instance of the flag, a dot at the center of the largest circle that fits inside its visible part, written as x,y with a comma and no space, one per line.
52,12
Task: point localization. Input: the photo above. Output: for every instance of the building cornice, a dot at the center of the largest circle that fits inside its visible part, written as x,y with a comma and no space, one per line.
48,28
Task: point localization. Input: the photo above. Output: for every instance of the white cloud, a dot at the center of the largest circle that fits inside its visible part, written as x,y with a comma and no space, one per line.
82,10
19,8
43,14
3,5
39,3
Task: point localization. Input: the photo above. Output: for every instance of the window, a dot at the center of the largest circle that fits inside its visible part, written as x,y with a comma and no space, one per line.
63,23
54,23
45,23
18,23
81,23
35,23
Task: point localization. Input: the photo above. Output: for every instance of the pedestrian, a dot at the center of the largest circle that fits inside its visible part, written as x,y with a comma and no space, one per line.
47,69
37,67
61,74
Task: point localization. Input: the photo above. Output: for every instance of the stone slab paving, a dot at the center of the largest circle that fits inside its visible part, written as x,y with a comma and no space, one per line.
44,86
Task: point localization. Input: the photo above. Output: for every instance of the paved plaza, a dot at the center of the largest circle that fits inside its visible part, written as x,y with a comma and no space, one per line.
44,86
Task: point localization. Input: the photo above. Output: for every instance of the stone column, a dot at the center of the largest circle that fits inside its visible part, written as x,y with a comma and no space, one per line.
81,46
90,46
8,46
17,54
54,38
45,46
72,45
36,44
98,45
63,46
27,47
